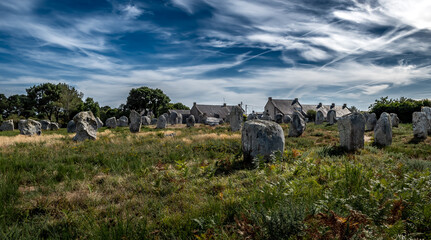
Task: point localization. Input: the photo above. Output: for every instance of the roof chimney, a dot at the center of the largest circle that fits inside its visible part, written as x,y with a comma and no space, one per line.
269,98
224,104
344,106
194,103
320,105
332,105
296,100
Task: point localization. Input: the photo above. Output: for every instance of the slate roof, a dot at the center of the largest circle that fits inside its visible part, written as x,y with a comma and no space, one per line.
285,105
183,112
213,110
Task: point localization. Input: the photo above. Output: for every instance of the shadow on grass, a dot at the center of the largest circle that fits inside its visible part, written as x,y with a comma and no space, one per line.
333,151
415,140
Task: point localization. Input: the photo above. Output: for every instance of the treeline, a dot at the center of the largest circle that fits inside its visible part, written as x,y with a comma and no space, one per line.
403,107
60,102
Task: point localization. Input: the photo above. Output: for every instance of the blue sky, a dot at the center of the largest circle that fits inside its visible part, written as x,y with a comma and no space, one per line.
210,51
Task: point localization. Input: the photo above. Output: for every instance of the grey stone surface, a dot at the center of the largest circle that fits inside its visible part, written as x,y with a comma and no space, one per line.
29,127
71,127
332,117
261,139
161,122
420,125
383,130
45,124
371,121
251,116
54,126
154,121
173,118
297,126
146,120
287,119
319,118
123,121
135,121
7,125
111,122
427,111
266,116
352,129
236,118
86,126
99,122
395,120
212,121
191,121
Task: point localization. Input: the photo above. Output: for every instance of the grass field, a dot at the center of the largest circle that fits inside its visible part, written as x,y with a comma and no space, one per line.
181,183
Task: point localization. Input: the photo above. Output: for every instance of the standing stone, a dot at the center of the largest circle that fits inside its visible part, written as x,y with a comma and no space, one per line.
123,121
7,125
332,117
99,122
161,122
135,122
29,127
319,118
86,126
180,118
420,125
427,111
212,121
297,127
395,120
371,122
279,118
71,127
266,116
146,120
173,118
45,124
383,130
154,121
236,118
191,121
251,116
287,119
54,126
111,122
352,129
261,139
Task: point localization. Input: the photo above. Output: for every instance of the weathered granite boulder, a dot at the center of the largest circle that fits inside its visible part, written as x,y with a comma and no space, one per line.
371,121
395,120
7,125
154,121
319,118
86,126
146,120
135,121
287,119
111,122
71,127
212,121
54,126
123,121
266,116
261,139
251,116
236,118
29,127
161,122
173,118
352,129
297,127
332,117
278,118
191,121
45,124
427,111
420,125
99,122
383,130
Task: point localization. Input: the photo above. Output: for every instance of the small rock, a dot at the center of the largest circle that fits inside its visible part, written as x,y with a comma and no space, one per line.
29,127
54,126
45,124
86,126
146,120
7,125
123,122
111,122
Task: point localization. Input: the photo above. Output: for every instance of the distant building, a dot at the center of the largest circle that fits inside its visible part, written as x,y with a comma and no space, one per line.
217,111
288,106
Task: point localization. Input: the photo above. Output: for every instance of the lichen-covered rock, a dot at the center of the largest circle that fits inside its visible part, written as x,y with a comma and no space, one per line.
236,118
29,127
331,117
123,121
71,127
395,120
427,111
261,140
161,122
287,119
352,129
154,121
420,125
7,125
54,126
45,124
319,118
146,120
86,126
135,122
297,126
191,121
251,116
278,118
173,118
111,122
371,121
99,122
383,130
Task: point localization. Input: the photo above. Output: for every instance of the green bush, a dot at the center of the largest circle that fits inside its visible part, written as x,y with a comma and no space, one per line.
403,107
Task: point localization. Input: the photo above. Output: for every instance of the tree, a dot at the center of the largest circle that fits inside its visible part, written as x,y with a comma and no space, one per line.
178,106
3,106
311,114
91,105
403,107
44,98
70,101
147,99
19,105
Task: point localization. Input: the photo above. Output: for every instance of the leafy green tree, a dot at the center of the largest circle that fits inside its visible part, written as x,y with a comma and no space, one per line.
44,98
19,105
145,99
178,106
3,106
91,105
311,115
403,107
69,103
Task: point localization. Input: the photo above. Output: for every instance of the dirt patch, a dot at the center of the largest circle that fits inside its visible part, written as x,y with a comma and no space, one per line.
367,138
